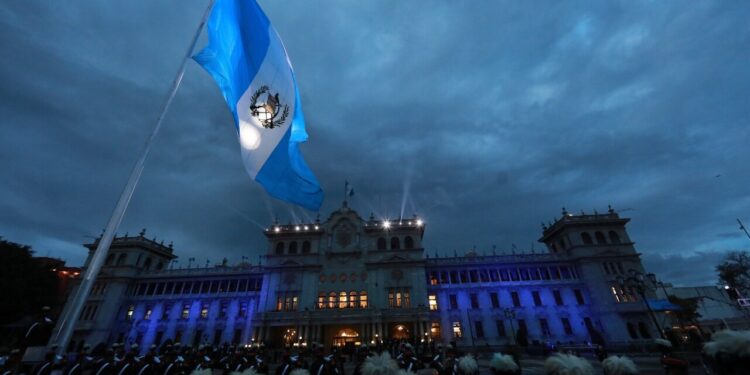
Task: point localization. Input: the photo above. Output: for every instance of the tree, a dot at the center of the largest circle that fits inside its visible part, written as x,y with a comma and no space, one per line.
27,285
688,310
734,271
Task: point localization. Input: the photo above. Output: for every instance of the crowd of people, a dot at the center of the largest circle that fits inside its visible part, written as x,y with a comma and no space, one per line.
728,353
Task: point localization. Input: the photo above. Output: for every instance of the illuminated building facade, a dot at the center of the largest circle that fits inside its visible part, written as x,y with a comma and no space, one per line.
354,280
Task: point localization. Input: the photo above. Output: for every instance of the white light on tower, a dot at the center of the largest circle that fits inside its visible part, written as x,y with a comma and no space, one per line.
386,224
306,227
296,228
277,229
419,223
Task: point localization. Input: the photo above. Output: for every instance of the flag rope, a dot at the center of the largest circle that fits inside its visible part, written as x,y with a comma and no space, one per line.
73,310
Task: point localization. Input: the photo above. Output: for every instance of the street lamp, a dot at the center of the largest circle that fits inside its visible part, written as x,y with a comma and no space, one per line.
637,281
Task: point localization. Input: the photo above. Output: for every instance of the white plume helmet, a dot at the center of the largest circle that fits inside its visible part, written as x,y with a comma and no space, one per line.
381,364
467,365
299,371
205,371
503,363
736,343
619,365
249,371
566,364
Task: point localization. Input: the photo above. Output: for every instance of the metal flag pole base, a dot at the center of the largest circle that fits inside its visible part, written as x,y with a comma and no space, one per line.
65,332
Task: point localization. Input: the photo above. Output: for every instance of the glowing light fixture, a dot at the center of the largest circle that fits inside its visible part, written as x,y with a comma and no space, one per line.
277,229
419,223
306,227
386,224
296,228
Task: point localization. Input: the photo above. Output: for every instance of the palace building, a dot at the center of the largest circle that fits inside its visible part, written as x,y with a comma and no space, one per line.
354,280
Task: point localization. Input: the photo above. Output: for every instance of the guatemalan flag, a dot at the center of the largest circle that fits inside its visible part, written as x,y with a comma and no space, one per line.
247,59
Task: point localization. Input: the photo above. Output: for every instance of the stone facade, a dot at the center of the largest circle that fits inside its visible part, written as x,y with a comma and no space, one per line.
354,280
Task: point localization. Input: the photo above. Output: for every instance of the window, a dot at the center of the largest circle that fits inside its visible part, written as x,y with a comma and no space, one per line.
464,277
408,242
457,333
217,337
474,301
600,240
280,248
204,310
558,297
321,301
479,329
622,295
453,301
147,264
544,326
129,312
196,287
223,309
522,325
432,302
579,296
537,298
306,247
473,276
185,311
435,330
353,299
398,297
545,273
381,243
586,238
122,259
433,278
524,274
495,301
500,328
395,243
614,237
566,326
363,299
332,300
243,310
293,248
165,311
516,299
644,330
287,302
147,314
205,286
342,300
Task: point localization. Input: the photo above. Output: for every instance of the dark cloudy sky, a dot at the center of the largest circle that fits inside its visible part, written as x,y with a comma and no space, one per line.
485,117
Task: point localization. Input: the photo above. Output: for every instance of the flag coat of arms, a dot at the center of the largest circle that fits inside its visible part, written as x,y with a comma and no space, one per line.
247,60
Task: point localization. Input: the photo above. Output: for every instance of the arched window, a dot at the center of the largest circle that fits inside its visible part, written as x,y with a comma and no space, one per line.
381,243
395,243
342,300
352,299
121,260
147,264
586,238
293,248
306,247
408,243
363,299
332,300
613,237
600,240
279,248
110,259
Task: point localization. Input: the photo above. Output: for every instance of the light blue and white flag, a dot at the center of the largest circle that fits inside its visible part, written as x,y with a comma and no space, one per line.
247,59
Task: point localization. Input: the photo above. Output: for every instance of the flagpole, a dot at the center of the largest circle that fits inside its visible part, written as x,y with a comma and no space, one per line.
65,332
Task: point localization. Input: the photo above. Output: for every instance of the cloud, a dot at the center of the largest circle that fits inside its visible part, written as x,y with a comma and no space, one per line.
497,113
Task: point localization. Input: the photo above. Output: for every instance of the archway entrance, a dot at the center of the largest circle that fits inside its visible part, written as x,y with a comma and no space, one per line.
401,332
346,336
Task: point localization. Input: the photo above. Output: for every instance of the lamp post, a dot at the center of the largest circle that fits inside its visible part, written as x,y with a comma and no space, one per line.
637,280
510,314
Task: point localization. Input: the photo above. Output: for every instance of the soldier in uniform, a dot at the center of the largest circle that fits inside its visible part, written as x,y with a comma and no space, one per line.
318,366
81,363
451,362
408,361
